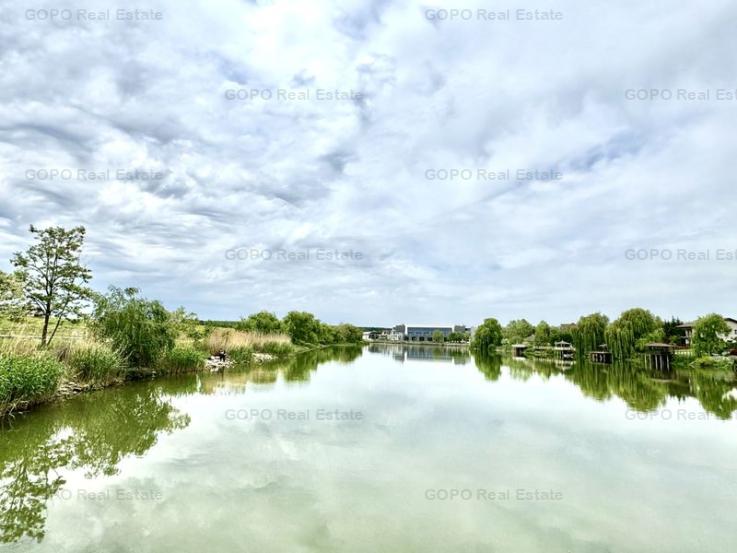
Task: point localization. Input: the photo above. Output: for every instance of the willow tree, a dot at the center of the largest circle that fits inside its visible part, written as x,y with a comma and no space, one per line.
631,330
53,278
589,332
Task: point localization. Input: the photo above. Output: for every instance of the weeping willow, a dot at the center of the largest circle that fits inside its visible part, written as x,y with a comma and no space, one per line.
589,332
633,325
620,340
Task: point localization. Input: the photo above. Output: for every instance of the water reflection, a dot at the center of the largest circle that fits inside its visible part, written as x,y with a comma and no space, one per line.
97,432
641,389
87,433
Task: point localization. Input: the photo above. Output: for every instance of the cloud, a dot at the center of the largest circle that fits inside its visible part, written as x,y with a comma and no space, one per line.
214,100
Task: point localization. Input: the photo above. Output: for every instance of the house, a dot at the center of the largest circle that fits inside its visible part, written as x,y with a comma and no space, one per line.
731,336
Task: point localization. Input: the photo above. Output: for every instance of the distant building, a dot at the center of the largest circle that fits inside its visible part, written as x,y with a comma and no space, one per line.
731,336
424,333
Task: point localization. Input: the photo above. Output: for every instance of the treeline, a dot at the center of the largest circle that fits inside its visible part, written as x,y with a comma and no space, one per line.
302,327
623,337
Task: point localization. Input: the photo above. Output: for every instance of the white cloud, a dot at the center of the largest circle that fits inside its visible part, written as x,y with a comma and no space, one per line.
351,174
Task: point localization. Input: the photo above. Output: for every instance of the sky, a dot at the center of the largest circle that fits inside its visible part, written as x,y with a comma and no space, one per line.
380,162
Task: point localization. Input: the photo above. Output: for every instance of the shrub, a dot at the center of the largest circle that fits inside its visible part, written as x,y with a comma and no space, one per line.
93,362
181,359
141,330
241,356
25,380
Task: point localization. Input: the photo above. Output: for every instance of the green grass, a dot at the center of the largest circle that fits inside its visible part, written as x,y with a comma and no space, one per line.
275,348
241,356
92,362
181,359
25,380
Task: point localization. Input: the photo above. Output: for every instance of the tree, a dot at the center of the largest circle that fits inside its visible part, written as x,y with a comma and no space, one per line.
53,278
488,336
348,334
589,332
632,330
12,304
438,336
518,331
542,334
141,330
458,337
302,327
263,321
708,334
673,333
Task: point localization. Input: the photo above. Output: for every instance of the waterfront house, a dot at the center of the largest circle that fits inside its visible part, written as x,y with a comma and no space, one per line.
731,336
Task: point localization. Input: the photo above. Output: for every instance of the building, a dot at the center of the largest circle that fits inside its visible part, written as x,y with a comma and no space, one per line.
424,333
731,336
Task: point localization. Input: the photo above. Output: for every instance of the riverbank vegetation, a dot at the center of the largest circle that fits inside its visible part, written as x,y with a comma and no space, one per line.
57,334
626,338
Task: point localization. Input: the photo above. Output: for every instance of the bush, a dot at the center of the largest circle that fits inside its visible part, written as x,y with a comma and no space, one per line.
241,356
25,380
94,362
141,330
181,359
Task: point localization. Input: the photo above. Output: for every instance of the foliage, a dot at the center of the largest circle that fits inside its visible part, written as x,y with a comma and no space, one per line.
543,334
186,324
518,331
263,322
488,337
181,359
589,332
708,334
27,379
302,327
673,334
93,362
438,336
53,278
631,331
458,337
12,305
140,329
241,356
226,339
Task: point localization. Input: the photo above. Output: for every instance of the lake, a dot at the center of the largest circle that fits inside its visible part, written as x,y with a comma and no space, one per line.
380,449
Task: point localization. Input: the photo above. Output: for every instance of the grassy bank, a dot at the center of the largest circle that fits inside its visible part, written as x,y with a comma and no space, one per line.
78,361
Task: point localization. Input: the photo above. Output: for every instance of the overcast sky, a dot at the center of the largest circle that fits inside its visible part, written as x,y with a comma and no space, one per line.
243,160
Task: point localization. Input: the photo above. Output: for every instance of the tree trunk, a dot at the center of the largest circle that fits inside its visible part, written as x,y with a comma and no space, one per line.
45,332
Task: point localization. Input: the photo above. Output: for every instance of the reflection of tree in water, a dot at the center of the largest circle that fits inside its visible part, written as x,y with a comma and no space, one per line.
300,367
93,432
713,389
489,365
640,388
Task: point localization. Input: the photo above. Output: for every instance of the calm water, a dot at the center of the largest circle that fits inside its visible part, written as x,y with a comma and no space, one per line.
385,449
